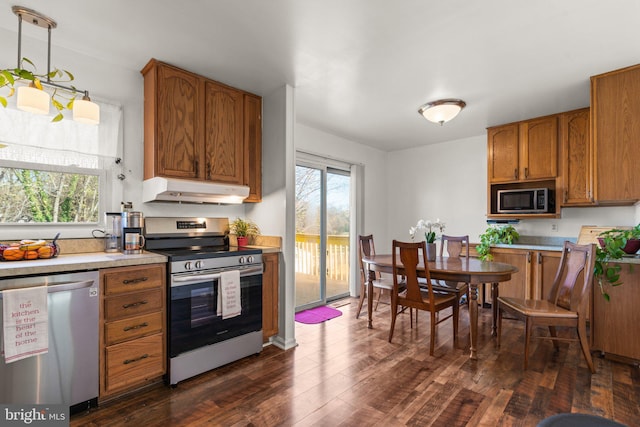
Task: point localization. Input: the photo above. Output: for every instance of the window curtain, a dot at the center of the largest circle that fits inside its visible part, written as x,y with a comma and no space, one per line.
33,130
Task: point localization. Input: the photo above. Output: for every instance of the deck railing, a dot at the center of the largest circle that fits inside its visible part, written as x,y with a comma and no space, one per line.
308,256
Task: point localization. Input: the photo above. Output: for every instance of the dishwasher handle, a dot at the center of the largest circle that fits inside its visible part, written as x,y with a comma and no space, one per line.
63,286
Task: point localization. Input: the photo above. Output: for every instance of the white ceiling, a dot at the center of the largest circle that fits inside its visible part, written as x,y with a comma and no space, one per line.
361,68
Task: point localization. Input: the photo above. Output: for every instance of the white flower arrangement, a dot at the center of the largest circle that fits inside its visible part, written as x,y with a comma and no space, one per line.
430,236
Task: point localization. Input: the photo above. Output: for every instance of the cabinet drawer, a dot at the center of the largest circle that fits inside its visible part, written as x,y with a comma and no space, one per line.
132,304
133,327
133,279
133,362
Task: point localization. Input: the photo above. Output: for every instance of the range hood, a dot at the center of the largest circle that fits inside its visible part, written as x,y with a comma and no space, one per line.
161,189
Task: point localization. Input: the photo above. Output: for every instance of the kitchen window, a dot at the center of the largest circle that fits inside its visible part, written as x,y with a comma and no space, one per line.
58,177
32,193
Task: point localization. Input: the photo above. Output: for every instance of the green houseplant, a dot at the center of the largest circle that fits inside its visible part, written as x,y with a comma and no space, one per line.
244,229
9,77
506,234
614,244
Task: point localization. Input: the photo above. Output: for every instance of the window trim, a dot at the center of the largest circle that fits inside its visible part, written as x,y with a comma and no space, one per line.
17,231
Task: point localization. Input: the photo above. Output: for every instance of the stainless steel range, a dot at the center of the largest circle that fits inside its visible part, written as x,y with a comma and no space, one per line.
203,276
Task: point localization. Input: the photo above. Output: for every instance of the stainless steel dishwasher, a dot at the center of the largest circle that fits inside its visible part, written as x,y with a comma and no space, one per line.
68,373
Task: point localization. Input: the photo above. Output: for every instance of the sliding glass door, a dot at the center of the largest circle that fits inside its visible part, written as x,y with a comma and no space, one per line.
323,215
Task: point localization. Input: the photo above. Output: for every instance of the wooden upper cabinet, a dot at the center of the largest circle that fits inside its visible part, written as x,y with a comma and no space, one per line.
253,146
539,148
503,152
197,128
524,151
577,165
172,122
224,142
615,109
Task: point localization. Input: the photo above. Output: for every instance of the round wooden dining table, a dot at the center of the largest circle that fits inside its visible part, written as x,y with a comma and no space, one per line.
467,270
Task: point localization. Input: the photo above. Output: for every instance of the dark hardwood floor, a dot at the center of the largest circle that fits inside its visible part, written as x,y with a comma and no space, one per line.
343,374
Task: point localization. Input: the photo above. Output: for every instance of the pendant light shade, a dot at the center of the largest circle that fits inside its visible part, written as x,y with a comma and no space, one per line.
441,111
33,100
85,111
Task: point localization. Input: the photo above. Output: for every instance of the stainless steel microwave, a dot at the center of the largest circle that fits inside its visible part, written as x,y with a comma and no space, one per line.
525,200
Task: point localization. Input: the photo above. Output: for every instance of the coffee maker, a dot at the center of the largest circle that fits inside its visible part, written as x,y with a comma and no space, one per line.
132,226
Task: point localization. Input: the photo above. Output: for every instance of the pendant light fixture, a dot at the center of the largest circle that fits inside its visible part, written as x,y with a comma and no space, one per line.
441,111
34,99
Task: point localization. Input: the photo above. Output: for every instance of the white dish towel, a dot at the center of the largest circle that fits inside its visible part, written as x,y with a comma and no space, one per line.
26,323
229,298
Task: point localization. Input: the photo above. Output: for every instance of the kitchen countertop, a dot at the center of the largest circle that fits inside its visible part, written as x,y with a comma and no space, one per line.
77,262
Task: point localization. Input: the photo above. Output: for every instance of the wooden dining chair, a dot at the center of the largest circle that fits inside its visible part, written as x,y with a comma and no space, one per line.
455,246
566,305
406,258
367,248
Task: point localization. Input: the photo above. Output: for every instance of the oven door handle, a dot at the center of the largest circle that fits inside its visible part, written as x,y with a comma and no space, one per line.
196,278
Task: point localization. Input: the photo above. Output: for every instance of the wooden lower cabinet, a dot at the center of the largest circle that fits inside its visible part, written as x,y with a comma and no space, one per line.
270,283
615,322
133,318
536,271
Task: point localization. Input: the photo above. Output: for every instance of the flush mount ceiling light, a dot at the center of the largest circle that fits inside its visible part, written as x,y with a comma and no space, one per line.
441,111
33,98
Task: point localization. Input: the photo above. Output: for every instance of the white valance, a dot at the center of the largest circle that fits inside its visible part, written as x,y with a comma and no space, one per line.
28,129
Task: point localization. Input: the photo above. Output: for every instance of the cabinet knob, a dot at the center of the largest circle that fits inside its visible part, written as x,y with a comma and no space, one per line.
515,173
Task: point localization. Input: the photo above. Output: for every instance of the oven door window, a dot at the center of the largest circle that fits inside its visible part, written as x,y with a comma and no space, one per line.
203,306
193,322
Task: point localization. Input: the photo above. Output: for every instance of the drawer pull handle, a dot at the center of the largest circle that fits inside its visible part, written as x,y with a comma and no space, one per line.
134,304
131,328
134,281
127,361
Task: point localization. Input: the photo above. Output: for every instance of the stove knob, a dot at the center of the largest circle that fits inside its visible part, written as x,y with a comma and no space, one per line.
187,265
241,260
250,259
198,264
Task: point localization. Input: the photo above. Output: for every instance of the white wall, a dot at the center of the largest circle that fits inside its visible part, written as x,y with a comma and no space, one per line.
275,213
449,181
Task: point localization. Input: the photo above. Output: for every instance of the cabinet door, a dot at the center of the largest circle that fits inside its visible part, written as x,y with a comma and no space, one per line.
519,285
502,152
224,142
546,267
539,148
577,171
134,363
179,128
253,147
615,322
270,283
615,101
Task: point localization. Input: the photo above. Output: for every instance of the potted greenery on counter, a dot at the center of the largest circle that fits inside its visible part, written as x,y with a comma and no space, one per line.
494,235
613,245
244,229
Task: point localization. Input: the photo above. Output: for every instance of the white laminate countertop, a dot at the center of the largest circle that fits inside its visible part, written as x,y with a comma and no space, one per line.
77,262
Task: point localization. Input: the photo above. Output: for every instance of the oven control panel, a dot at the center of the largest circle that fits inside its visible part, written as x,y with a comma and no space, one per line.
216,262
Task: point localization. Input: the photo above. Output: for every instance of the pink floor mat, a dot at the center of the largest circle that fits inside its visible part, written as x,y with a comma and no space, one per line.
317,315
